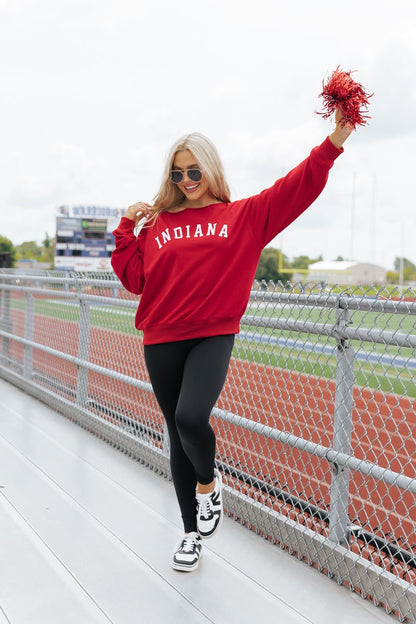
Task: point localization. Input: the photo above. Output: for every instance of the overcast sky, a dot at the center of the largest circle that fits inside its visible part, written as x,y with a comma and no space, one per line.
94,92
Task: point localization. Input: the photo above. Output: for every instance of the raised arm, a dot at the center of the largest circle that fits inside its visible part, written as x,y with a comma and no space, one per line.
272,210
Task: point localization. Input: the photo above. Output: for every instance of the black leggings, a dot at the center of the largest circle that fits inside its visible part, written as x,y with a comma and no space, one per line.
187,377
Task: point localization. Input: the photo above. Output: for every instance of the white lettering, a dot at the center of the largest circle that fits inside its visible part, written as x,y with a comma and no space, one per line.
166,236
178,233
224,231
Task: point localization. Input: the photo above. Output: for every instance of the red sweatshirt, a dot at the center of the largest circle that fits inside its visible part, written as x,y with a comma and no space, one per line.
195,268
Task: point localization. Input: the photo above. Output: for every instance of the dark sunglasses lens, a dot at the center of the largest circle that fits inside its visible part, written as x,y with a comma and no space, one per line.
195,175
176,176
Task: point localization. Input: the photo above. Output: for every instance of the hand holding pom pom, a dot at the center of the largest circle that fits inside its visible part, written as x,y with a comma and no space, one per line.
342,130
347,98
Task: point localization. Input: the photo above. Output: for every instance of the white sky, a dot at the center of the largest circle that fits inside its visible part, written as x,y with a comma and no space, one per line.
94,92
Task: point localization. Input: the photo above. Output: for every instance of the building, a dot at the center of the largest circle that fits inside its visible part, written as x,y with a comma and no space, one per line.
32,263
83,240
343,272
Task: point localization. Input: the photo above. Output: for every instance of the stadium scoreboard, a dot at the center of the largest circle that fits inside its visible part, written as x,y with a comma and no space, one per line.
83,240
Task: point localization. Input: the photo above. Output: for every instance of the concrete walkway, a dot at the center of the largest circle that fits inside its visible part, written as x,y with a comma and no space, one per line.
86,536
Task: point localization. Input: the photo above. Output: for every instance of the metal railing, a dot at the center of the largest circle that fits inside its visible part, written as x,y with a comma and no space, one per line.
316,425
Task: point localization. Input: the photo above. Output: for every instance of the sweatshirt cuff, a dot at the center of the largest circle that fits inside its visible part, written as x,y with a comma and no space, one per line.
126,226
331,149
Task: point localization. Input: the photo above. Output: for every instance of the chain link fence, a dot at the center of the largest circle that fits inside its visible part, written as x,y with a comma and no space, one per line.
316,425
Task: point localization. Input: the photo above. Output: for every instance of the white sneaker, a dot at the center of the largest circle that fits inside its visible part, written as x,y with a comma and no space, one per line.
209,509
187,557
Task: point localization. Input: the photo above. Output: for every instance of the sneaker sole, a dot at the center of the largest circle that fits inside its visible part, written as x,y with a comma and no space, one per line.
181,567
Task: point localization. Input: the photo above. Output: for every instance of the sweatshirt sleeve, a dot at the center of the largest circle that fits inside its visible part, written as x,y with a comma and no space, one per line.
272,210
127,257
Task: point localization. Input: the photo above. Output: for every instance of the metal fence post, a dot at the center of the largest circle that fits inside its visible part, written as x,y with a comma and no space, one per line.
83,353
166,441
5,321
338,515
29,335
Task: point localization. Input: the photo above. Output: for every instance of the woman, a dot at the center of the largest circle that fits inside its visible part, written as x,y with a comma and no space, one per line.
193,262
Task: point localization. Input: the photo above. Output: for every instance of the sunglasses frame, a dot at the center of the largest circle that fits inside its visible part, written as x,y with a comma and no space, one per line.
187,171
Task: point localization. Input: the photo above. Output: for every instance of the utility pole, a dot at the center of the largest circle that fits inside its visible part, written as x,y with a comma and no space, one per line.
373,219
352,218
401,266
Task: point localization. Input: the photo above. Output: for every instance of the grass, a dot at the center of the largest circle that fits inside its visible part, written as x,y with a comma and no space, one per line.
392,380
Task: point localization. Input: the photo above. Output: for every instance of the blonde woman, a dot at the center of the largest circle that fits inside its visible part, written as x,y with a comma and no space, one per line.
193,263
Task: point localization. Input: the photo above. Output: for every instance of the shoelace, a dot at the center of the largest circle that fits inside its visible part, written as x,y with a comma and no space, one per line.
189,543
205,508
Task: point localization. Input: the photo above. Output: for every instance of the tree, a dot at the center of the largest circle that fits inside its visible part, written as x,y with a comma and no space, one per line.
46,241
392,277
409,269
7,249
406,264
47,252
268,267
303,262
29,250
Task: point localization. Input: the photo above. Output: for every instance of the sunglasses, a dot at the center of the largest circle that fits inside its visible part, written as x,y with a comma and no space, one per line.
176,175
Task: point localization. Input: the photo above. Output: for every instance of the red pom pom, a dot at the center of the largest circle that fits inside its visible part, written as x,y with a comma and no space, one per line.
341,91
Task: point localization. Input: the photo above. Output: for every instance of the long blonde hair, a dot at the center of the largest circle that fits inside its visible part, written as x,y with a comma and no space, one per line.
169,195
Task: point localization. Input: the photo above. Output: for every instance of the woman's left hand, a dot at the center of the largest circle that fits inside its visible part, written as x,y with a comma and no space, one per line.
342,131
137,212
